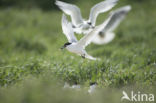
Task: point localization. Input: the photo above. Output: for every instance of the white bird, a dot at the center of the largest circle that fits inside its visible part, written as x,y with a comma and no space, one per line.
106,34
75,46
78,23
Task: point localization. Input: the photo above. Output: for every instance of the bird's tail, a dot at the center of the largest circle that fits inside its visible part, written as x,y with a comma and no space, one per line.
90,57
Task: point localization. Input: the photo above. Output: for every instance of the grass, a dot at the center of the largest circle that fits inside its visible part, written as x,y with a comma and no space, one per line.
30,57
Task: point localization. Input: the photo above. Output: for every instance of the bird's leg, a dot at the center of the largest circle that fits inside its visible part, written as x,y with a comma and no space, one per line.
83,56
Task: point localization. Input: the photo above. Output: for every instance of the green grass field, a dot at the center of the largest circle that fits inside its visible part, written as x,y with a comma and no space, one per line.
33,67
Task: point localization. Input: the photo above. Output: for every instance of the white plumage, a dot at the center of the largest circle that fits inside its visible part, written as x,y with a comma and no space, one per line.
106,35
101,34
75,46
79,25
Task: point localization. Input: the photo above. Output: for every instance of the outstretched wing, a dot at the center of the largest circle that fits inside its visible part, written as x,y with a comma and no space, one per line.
68,30
71,10
116,17
86,40
106,35
100,8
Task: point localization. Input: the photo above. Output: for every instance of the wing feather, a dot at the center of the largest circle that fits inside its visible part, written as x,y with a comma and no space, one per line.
68,30
106,35
115,18
100,8
71,10
86,40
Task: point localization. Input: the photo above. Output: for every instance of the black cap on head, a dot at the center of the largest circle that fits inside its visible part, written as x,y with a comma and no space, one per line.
65,45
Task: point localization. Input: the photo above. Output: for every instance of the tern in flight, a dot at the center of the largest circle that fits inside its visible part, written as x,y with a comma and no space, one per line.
75,46
78,23
78,47
106,35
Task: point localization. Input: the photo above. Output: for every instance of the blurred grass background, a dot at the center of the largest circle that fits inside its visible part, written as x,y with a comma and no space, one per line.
33,69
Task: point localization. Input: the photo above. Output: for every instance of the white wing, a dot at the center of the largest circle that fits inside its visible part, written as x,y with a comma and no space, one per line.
71,10
89,37
116,17
100,8
106,35
68,30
